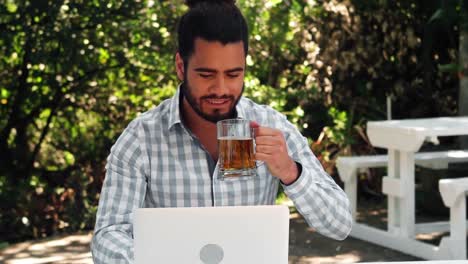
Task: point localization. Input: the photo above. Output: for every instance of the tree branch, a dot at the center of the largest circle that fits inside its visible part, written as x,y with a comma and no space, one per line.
44,132
55,103
19,98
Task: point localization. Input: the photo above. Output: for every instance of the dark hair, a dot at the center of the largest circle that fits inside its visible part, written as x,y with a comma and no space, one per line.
211,20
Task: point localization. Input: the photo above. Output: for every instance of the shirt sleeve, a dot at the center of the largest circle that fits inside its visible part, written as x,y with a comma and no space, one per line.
123,191
317,197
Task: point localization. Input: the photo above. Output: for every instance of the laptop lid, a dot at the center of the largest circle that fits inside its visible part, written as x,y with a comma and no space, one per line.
209,235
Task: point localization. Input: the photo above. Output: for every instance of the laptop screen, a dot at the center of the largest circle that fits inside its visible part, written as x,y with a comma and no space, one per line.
235,234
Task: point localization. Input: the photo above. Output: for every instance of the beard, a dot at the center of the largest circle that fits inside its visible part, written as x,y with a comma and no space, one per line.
216,115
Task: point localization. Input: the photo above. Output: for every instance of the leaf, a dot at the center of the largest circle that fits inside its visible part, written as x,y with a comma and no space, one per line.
448,13
11,6
69,158
450,68
438,15
3,245
4,93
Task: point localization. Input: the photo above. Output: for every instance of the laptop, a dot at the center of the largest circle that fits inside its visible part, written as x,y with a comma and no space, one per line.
212,235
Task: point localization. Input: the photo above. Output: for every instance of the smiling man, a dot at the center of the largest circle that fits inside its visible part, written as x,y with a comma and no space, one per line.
218,70
167,156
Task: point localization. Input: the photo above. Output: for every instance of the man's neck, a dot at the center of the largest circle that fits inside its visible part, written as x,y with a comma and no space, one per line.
195,122
204,130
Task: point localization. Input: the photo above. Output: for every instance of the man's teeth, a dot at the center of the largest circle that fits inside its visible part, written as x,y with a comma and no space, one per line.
217,101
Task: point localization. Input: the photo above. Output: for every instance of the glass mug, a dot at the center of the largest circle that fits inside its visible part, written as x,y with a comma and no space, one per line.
236,148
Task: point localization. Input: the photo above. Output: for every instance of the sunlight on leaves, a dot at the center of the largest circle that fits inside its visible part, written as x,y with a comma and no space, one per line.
11,6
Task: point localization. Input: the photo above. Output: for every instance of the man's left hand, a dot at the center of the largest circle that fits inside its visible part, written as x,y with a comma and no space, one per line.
272,149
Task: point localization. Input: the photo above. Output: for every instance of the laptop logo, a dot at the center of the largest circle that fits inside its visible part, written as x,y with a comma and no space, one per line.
211,254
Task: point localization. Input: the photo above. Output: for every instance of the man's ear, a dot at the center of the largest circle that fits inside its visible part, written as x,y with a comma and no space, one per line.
179,63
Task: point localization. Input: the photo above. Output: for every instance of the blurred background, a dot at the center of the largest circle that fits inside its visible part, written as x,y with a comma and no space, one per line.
73,73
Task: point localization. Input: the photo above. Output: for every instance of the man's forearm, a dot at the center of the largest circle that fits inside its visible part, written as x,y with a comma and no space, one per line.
323,204
112,247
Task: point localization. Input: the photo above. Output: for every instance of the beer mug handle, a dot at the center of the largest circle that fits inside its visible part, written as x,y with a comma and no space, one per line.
258,163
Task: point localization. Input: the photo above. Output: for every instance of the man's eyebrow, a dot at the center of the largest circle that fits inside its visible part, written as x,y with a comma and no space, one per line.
208,70
238,69
205,70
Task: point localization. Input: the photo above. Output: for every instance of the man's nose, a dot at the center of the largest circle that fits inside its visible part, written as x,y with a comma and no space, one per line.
219,86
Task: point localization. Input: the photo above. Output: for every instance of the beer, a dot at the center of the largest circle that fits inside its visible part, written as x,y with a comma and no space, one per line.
236,154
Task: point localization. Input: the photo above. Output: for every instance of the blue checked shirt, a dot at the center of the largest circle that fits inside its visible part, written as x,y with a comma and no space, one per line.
157,162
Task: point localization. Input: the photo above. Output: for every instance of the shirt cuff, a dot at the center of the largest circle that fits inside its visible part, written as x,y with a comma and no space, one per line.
299,185
299,171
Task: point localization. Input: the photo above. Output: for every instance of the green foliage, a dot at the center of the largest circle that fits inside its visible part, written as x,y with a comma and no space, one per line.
74,73
338,133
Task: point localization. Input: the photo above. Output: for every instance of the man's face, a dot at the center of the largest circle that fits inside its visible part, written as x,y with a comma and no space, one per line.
214,79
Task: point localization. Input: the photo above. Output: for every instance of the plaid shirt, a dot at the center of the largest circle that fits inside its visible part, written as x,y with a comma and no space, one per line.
157,162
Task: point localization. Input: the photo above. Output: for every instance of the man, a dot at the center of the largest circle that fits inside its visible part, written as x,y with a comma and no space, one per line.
167,156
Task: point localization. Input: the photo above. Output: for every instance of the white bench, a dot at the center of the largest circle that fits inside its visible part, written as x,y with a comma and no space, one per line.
349,166
453,193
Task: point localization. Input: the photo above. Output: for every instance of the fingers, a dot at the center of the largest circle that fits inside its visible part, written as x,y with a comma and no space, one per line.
266,131
254,124
268,140
262,157
269,136
271,148
267,149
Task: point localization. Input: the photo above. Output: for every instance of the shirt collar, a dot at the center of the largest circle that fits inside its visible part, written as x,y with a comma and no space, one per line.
240,110
175,115
174,110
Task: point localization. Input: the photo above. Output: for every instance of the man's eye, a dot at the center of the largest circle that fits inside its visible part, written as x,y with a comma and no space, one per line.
205,75
233,75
